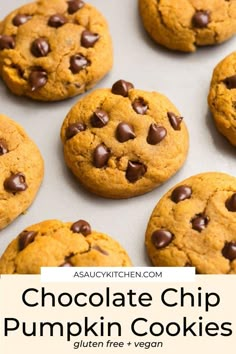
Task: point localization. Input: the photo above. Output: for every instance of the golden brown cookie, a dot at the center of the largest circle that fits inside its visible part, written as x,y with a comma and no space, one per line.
186,24
22,169
53,243
123,142
52,50
222,97
194,224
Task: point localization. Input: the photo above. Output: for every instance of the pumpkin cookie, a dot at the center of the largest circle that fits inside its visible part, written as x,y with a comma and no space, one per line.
22,169
186,24
53,243
52,50
123,142
194,224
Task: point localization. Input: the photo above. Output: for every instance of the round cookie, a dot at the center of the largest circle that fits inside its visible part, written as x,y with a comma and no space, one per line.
186,24
53,243
123,142
22,170
52,50
194,224
222,97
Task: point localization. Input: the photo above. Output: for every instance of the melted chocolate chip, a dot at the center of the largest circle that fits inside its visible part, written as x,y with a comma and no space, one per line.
230,82
162,238
181,193
40,47
201,19
3,147
121,87
124,132
20,19
199,222
99,118
81,227
229,250
37,79
174,120
66,264
88,39
7,42
74,129
101,156
231,203
77,63
74,5
135,171
99,249
25,238
156,134
15,183
140,106
57,20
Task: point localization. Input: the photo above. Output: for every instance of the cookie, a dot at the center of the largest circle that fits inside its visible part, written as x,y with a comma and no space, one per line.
123,142
185,25
53,243
222,97
194,224
22,169
52,50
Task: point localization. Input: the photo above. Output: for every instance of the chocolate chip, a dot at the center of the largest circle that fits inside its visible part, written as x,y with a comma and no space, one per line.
156,134
74,5
66,264
81,227
20,19
135,171
124,132
199,222
230,82
121,87
99,118
88,39
99,249
37,79
74,129
162,238
231,203
101,156
40,47
140,106
181,193
57,20
201,19
15,183
25,238
229,250
3,147
77,63
174,120
7,42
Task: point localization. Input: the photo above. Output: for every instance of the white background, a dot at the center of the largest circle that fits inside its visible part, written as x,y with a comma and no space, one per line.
184,78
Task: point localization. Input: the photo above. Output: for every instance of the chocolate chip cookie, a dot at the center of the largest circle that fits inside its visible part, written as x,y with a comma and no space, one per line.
222,97
194,224
186,24
52,50
22,169
53,243
123,142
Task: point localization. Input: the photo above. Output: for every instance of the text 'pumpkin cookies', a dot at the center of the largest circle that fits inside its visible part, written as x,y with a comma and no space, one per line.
22,170
53,243
194,224
123,142
186,24
52,50
222,97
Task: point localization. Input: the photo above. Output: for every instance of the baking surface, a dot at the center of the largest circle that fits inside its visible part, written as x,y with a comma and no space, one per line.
184,78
